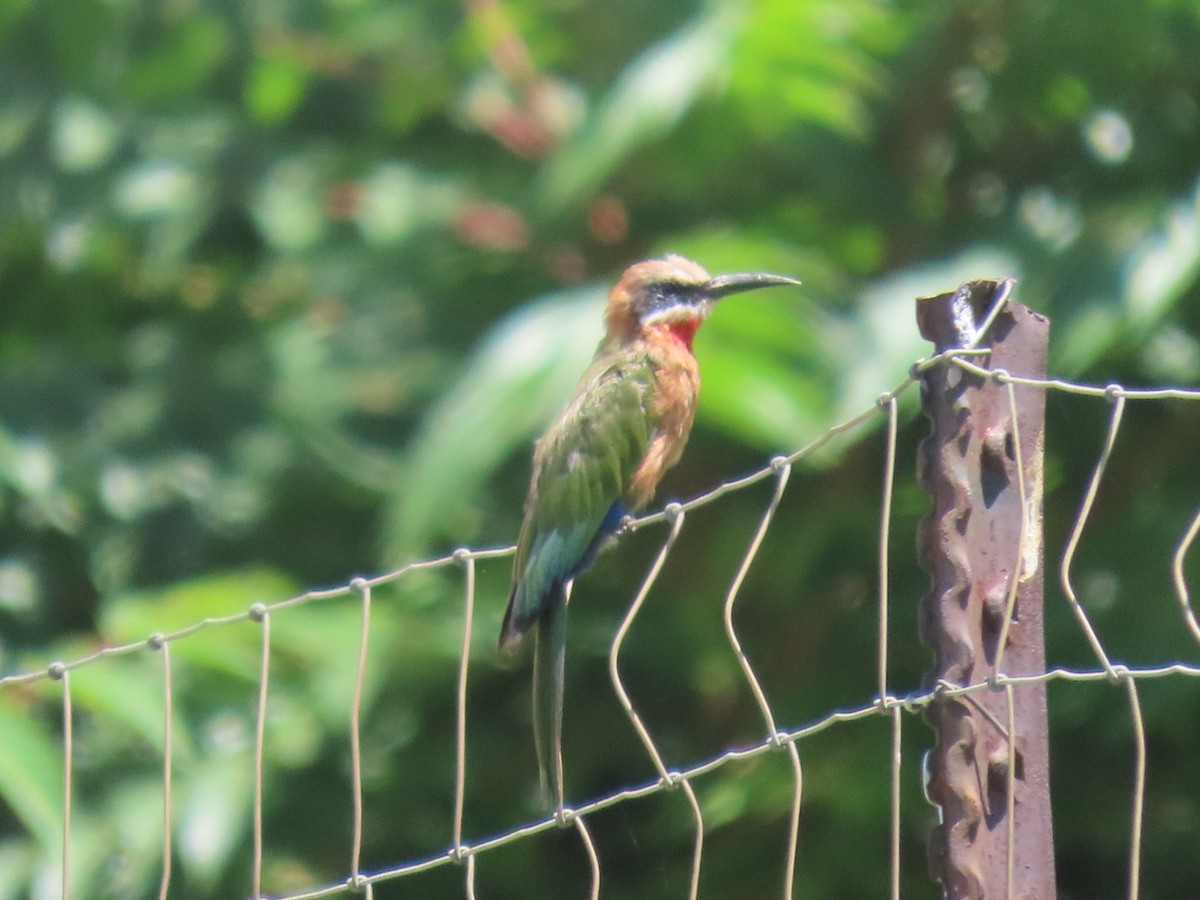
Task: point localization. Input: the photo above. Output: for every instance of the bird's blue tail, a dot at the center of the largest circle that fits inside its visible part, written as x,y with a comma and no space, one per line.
549,657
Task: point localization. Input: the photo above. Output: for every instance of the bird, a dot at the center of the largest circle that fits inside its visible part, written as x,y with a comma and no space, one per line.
601,460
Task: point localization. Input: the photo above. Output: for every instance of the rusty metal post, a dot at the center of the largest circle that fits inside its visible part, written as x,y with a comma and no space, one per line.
977,538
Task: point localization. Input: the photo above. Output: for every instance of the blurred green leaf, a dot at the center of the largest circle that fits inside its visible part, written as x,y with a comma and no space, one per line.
134,822
277,85
765,401
1165,265
31,774
519,377
802,63
215,817
645,102
230,649
186,57
316,396
16,865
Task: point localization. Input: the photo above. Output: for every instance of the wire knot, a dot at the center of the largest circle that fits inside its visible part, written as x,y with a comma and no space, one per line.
257,612
1119,672
156,641
565,817
942,688
887,703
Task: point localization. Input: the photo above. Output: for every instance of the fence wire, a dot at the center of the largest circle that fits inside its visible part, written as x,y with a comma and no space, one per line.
774,740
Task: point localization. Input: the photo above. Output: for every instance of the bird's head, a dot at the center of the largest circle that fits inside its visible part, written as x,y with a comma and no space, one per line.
675,294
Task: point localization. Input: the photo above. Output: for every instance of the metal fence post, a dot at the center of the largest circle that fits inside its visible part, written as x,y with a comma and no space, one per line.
984,472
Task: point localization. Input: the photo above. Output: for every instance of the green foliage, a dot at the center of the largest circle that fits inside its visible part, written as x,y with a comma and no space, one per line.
288,288
32,781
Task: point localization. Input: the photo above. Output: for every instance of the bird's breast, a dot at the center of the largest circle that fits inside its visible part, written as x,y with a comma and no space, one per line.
674,407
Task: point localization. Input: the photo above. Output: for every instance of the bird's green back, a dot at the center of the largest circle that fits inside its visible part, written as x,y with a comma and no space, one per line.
582,466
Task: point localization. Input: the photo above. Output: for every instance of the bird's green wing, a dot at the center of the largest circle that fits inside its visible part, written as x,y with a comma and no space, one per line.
581,468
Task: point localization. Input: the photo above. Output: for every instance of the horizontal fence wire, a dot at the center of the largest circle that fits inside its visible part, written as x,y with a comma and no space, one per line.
775,739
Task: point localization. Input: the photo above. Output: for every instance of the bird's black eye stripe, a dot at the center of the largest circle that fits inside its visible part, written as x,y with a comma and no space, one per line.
664,295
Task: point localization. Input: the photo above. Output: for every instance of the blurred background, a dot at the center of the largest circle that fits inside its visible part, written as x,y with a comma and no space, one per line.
288,287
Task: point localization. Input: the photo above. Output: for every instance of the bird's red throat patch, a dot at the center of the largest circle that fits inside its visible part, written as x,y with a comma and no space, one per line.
683,330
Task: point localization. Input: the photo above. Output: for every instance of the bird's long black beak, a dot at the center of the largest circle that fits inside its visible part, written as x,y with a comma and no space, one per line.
724,285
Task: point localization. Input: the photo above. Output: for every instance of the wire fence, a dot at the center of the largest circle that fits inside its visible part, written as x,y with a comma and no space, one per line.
777,737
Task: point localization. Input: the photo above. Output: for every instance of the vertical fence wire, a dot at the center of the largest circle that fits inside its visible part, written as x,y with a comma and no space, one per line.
460,749
260,732
889,404
894,854
1010,603
885,526
675,515
1010,791
589,846
363,587
470,877
168,718
783,470
1177,575
68,728
1018,568
1089,498
1139,787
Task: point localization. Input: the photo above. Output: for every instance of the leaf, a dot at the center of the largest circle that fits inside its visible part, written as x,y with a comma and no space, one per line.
760,382
314,395
16,869
763,400
647,100
276,86
31,779
183,59
134,823
215,816
232,650
812,63
1165,265
519,378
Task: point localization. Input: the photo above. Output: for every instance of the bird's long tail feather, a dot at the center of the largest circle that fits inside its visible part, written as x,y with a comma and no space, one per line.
549,657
